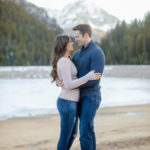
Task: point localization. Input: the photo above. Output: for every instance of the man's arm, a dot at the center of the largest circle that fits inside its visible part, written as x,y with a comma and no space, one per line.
97,64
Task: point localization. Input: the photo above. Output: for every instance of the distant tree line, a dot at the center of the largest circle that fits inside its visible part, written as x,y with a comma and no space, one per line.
23,39
128,43
26,41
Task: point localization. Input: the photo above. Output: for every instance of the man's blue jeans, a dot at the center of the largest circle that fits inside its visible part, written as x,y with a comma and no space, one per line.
87,108
68,123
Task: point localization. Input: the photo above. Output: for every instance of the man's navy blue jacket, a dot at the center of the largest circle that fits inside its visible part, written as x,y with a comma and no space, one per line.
86,59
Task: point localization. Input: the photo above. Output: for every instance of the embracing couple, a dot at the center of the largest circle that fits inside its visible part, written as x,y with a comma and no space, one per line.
79,79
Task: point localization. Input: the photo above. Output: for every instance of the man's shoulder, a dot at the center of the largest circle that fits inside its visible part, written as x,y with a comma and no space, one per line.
96,49
96,52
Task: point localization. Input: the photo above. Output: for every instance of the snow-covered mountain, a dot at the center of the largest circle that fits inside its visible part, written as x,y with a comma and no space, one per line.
40,14
84,12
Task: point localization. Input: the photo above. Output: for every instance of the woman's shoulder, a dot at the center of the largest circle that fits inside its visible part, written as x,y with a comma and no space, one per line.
63,60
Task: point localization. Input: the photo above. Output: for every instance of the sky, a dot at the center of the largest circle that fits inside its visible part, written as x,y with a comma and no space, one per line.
126,10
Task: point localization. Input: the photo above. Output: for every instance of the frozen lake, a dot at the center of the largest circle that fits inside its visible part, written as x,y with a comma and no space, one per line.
30,97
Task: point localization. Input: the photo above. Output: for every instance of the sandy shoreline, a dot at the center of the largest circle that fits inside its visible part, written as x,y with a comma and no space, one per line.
117,128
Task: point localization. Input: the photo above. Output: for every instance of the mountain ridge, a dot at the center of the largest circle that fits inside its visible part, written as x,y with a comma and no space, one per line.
84,12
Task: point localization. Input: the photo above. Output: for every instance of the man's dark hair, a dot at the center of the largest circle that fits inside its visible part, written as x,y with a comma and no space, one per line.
83,28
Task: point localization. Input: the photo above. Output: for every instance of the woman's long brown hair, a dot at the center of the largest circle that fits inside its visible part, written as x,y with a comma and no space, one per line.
59,51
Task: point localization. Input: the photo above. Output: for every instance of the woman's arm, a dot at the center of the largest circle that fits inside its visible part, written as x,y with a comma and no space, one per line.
65,69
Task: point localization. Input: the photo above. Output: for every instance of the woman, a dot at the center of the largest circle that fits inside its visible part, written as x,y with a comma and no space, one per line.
64,69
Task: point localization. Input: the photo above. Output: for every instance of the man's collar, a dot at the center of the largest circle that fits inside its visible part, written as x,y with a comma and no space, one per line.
87,46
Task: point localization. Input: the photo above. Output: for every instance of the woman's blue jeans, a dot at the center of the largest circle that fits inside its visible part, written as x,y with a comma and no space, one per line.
68,123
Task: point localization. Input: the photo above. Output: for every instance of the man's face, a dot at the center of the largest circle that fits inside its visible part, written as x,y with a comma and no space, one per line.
79,38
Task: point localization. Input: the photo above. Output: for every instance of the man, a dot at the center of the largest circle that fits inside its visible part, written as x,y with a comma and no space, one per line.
88,57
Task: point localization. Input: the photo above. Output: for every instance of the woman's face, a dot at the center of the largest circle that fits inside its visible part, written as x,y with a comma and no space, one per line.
70,46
